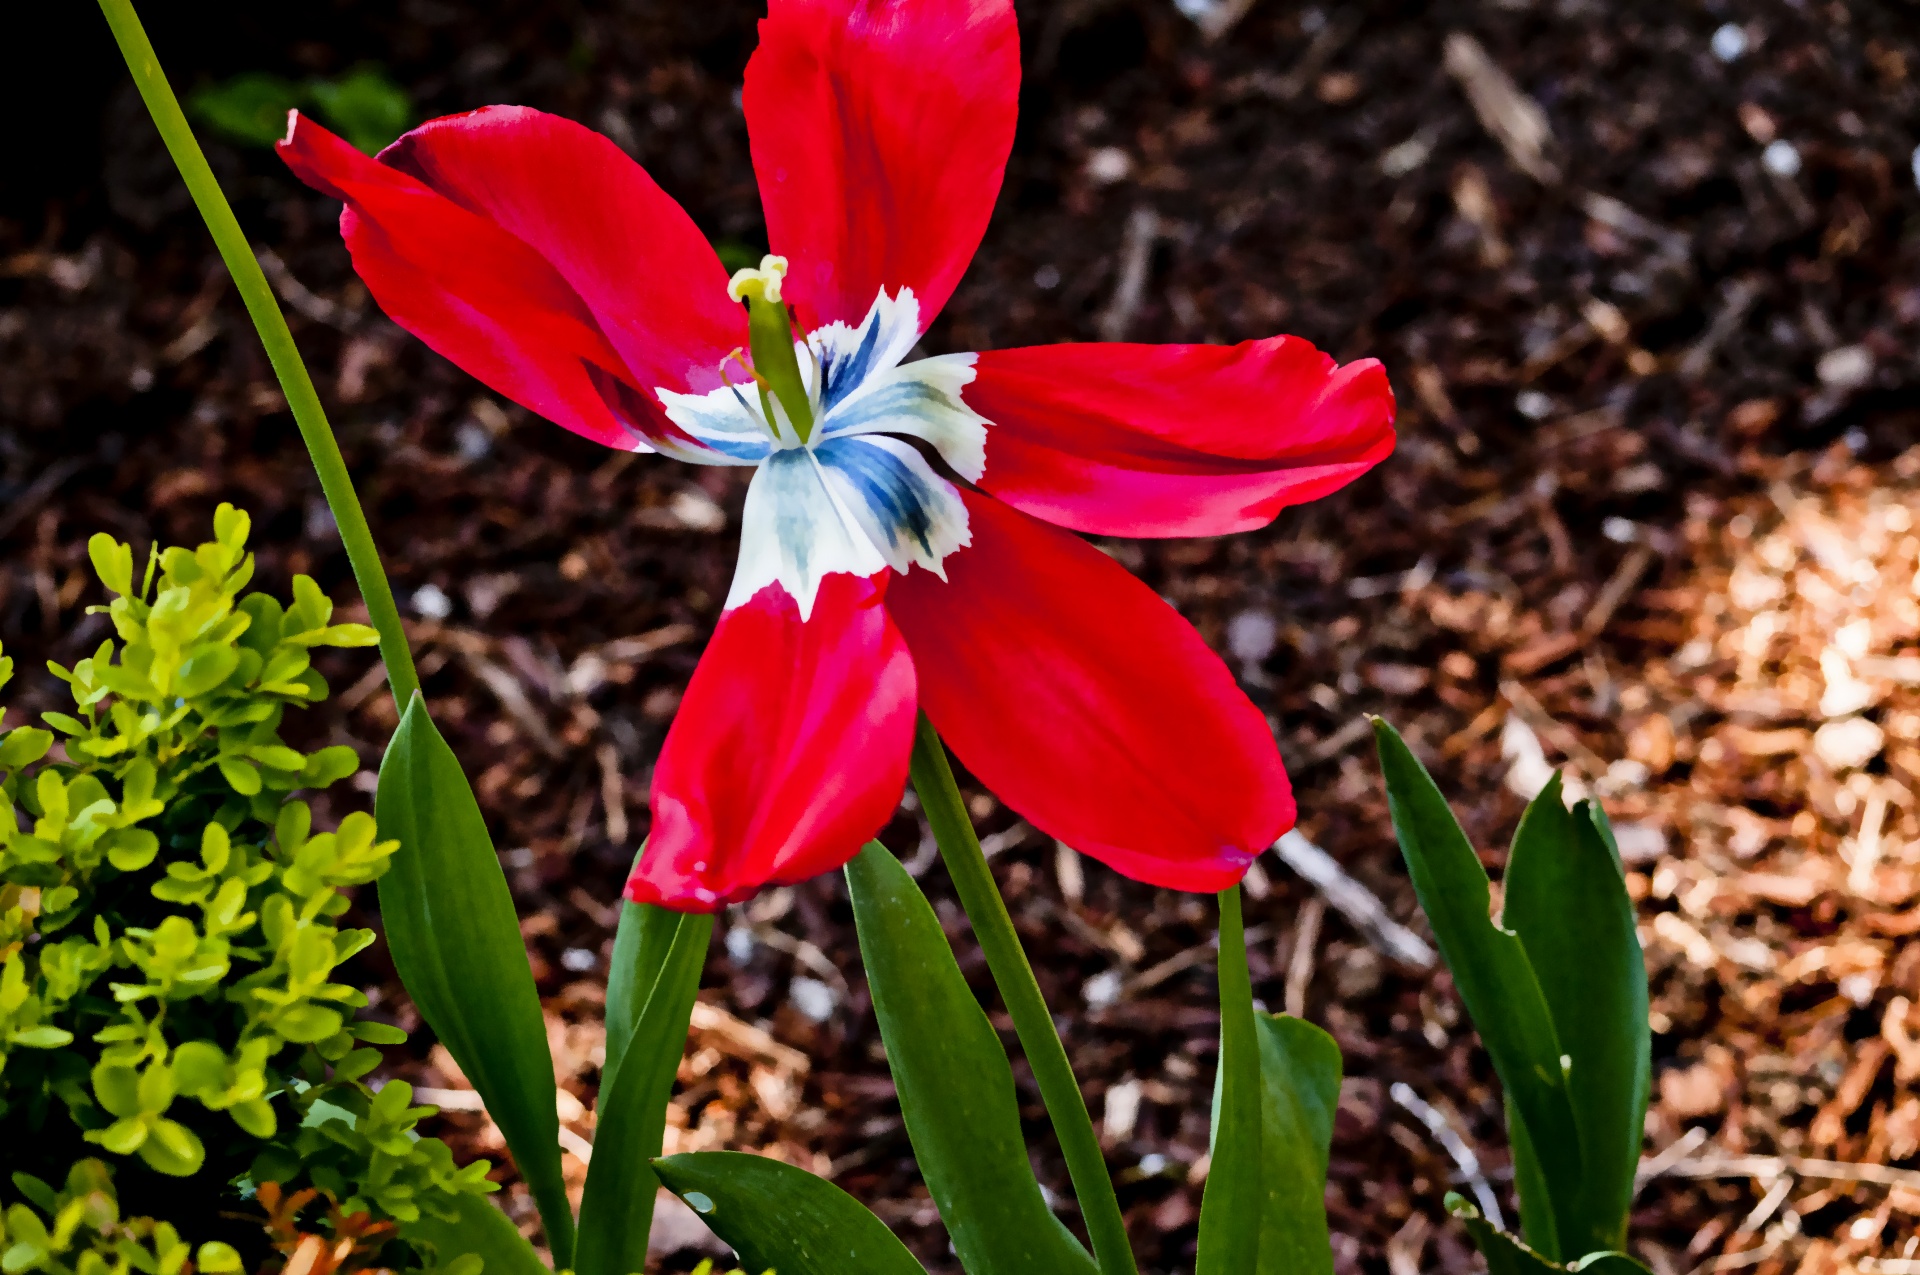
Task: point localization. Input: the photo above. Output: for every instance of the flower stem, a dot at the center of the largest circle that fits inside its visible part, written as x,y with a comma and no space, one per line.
281,351
1230,1207
973,880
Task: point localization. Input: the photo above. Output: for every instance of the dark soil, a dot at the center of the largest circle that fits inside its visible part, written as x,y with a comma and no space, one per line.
1636,386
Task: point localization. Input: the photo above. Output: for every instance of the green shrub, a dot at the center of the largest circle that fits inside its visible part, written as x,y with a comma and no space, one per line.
170,1034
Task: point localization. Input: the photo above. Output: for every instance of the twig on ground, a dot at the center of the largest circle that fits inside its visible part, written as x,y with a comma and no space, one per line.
1154,975
1454,1145
1354,901
807,954
613,793
1136,263
1618,588
1510,116
513,698
1735,300
307,303
1676,1151
1770,1166
39,490
1330,40
1306,944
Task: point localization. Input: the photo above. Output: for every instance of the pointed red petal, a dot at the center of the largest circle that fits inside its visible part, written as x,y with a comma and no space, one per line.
630,251
880,133
1176,440
1090,707
789,751
536,256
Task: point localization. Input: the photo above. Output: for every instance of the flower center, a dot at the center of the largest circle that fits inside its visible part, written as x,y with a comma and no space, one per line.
840,428
776,368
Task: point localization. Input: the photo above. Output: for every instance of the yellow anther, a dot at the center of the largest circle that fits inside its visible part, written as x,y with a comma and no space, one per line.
762,283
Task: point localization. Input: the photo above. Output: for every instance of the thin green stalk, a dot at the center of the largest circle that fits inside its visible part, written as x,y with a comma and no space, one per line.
272,326
1230,1208
953,830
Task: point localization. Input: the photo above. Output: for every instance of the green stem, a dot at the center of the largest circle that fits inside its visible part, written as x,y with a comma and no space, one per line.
281,351
973,881
1230,1208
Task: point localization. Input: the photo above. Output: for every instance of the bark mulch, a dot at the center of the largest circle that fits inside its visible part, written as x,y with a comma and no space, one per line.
1651,312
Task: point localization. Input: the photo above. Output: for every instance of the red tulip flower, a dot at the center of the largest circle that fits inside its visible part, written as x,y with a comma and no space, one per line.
907,540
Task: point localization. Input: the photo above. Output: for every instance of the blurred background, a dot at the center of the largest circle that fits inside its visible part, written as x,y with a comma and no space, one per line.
1647,279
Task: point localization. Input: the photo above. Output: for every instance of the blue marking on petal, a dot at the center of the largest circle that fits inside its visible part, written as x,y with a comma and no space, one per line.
895,494
909,398
842,374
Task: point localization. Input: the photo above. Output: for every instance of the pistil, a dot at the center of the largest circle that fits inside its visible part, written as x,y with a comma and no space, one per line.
770,338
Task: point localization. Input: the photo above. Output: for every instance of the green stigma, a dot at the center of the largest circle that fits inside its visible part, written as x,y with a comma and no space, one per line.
770,338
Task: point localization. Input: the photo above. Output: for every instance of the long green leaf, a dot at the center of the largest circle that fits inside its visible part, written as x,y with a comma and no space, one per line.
482,1230
616,1214
1300,1079
456,942
1505,1255
784,1219
1567,900
956,1089
1230,1213
1529,1180
640,946
1509,1256
1495,978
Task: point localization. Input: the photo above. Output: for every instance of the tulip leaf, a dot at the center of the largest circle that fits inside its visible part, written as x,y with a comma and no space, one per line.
1300,1079
955,1086
784,1219
482,1231
1567,900
1495,978
455,940
640,946
616,1212
1230,1207
1506,1255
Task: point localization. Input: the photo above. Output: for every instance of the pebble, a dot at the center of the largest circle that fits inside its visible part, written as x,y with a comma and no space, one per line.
431,602
813,998
1847,368
1782,158
1252,635
1527,767
1640,842
1107,165
1102,990
1849,743
1730,42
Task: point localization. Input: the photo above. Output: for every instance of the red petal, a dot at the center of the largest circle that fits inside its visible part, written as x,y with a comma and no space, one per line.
789,751
503,280
621,242
880,132
1081,698
1176,440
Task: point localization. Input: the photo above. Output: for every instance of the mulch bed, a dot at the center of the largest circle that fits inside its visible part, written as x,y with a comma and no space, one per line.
1653,516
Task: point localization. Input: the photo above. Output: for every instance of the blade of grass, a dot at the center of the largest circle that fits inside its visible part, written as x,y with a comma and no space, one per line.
271,324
